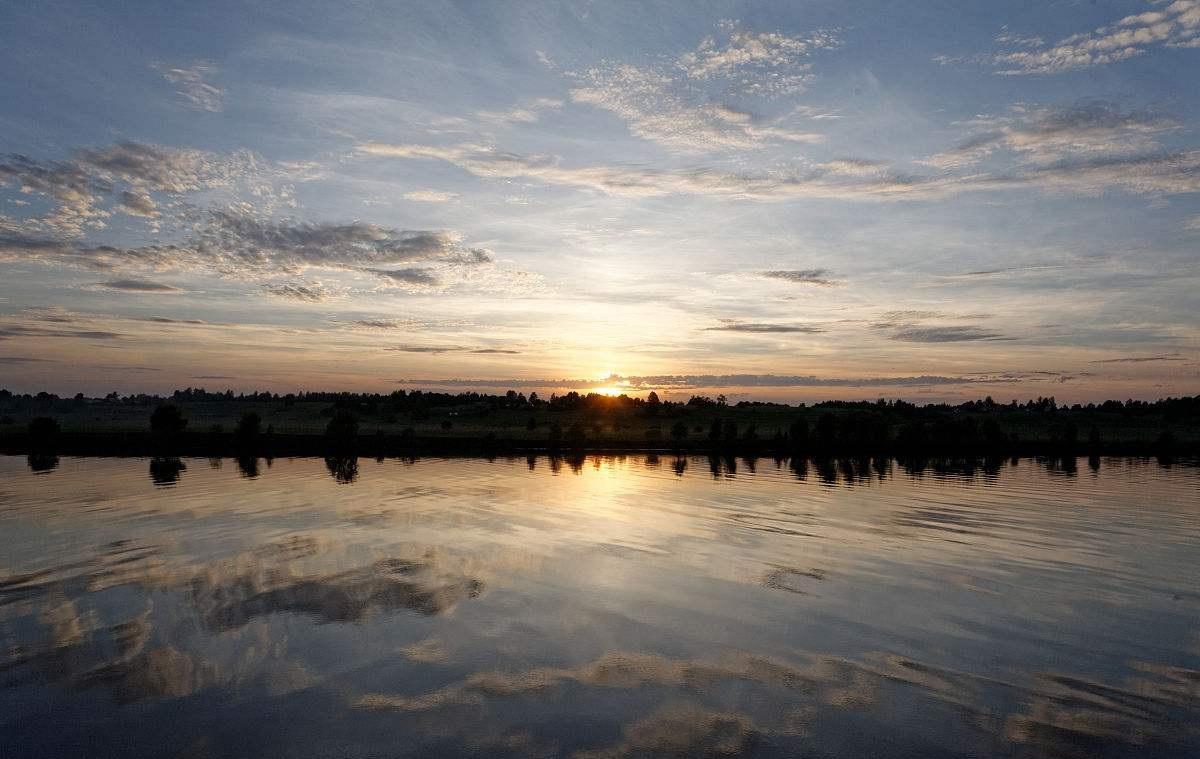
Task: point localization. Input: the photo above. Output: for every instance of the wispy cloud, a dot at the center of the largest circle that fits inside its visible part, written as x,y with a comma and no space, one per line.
1053,134
13,360
309,293
138,286
430,196
436,349
412,277
194,84
1152,174
764,328
526,113
95,183
1142,359
946,334
913,326
27,330
672,103
815,277
1166,24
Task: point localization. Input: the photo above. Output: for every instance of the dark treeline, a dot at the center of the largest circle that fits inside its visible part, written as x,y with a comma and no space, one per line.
1182,408
469,422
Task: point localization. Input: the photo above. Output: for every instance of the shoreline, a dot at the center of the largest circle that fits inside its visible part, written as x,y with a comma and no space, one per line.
276,445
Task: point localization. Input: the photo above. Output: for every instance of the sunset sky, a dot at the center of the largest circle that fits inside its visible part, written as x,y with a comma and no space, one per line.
787,201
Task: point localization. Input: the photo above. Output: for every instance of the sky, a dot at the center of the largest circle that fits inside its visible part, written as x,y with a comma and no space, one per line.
785,201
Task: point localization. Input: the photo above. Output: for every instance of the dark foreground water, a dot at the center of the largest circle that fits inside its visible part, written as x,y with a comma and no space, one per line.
630,606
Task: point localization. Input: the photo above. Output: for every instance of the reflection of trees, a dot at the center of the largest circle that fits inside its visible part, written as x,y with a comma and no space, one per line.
165,470
248,466
344,469
42,462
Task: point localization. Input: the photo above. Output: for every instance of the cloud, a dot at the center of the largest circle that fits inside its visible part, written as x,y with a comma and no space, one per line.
674,103
138,286
910,326
1143,174
640,182
1000,273
126,172
817,277
1141,359
1049,134
310,293
378,324
25,360
195,86
694,381
763,328
1176,24
435,349
765,63
136,203
236,243
647,101
411,278
25,330
526,113
430,196
949,334
239,245
168,320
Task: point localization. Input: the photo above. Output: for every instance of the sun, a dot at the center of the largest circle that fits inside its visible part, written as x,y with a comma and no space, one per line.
608,390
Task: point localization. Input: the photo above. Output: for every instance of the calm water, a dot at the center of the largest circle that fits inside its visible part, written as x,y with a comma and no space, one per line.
628,607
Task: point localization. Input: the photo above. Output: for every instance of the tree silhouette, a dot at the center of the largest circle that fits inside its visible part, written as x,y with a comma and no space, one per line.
167,419
653,404
798,434
165,470
342,430
43,434
729,431
714,431
826,430
248,429
679,431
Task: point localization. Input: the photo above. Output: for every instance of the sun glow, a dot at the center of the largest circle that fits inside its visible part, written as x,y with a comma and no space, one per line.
608,390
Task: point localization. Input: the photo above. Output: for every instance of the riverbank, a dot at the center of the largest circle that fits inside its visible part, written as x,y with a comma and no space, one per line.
381,444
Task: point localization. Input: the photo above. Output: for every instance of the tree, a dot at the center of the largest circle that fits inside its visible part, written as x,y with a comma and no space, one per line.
576,436
679,431
729,430
714,431
248,427
342,430
43,434
167,419
798,433
652,403
826,430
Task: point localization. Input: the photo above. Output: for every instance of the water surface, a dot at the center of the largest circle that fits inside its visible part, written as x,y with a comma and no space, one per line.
630,606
